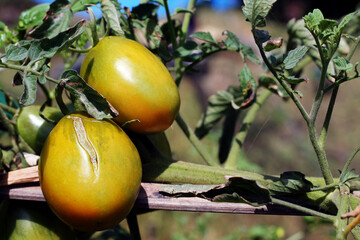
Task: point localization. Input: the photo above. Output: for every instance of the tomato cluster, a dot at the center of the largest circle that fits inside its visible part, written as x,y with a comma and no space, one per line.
90,171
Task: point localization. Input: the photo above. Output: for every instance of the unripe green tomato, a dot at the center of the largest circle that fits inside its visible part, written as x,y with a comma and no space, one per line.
135,82
22,220
33,128
90,172
161,142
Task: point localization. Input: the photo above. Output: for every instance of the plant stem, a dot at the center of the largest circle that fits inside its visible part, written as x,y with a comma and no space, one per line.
348,162
303,209
8,109
186,21
170,25
195,142
232,160
133,225
325,188
25,68
319,94
321,156
343,208
287,88
324,130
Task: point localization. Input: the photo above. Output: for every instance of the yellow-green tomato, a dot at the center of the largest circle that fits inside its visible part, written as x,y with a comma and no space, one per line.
134,81
90,172
26,220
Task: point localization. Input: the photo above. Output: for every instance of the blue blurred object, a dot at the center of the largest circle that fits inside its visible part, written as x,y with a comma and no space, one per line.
217,5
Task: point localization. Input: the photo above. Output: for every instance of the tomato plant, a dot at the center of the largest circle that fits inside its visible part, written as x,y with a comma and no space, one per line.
130,60
134,81
89,172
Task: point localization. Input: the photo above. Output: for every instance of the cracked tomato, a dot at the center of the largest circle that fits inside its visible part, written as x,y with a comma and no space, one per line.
89,172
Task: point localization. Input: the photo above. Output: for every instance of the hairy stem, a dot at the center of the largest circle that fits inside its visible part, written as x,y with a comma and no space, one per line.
186,21
287,88
25,68
8,109
303,209
196,142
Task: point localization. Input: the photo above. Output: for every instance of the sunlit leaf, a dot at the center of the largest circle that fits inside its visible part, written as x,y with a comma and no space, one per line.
29,95
204,36
48,47
342,64
295,56
111,16
32,17
290,183
256,11
15,52
56,20
95,104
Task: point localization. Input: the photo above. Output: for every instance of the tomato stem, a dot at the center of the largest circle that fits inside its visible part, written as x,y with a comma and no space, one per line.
8,109
133,225
233,157
196,142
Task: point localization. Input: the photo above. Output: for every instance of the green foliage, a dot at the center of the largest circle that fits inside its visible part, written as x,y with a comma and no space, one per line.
47,31
294,57
32,17
95,104
256,11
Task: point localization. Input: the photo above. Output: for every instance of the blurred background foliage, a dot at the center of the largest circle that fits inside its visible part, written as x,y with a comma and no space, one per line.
277,142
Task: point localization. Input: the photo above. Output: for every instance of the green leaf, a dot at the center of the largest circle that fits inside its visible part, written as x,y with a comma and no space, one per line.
29,95
188,48
342,64
295,80
45,68
94,103
237,189
348,176
15,52
218,105
246,79
111,16
81,5
256,11
345,21
32,17
270,83
295,56
313,19
298,93
327,25
145,11
290,183
57,19
233,43
204,36
48,48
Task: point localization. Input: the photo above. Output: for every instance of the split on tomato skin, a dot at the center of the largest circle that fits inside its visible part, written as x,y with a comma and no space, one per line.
89,193
135,82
